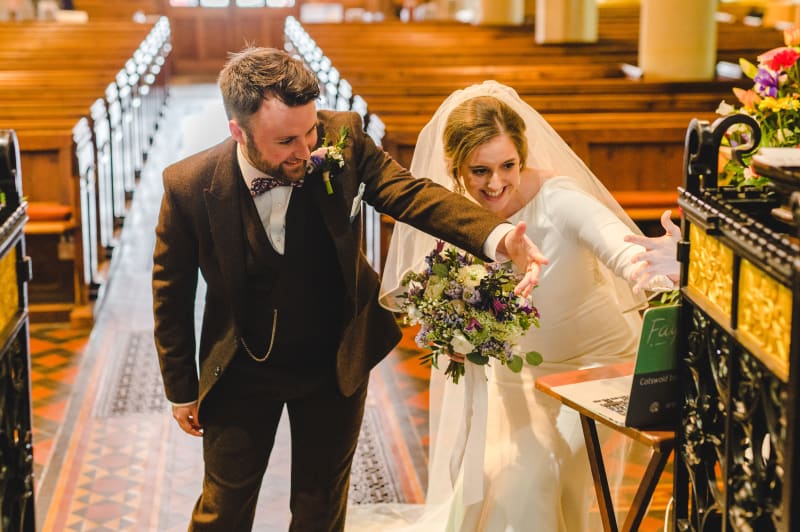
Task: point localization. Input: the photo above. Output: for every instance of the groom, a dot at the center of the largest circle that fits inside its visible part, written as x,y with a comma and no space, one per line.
291,317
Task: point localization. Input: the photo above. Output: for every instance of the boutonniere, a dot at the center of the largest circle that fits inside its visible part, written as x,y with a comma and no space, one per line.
328,158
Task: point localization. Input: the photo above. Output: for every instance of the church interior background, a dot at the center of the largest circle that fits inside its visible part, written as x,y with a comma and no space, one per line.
103,95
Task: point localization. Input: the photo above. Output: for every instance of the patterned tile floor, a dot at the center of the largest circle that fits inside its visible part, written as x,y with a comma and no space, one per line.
111,468
108,465
99,469
56,354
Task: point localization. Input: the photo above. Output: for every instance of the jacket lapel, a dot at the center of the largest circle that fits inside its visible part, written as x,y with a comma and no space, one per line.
225,219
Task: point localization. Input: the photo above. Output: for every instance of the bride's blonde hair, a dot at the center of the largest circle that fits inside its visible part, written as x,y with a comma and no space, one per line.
475,122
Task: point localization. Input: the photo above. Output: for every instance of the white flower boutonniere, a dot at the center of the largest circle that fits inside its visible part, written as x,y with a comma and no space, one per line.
328,158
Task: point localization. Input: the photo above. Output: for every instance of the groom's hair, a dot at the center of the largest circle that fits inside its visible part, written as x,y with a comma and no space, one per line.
475,122
254,74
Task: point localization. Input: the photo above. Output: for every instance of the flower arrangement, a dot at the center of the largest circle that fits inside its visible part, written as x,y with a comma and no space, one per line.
468,307
774,102
328,158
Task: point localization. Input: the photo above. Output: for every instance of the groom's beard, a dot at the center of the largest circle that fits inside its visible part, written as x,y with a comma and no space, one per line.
278,172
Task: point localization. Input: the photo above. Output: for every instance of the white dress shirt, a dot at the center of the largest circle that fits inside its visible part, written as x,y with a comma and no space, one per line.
271,205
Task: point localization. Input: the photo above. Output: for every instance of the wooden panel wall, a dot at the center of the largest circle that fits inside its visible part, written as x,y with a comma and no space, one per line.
202,38
118,9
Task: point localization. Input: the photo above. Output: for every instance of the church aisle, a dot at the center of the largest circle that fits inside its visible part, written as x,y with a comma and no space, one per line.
108,455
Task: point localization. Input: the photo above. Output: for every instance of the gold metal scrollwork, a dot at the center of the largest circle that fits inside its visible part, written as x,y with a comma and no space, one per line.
9,294
764,316
710,268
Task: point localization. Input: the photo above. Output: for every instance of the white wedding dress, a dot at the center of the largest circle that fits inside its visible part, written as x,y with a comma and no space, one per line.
535,471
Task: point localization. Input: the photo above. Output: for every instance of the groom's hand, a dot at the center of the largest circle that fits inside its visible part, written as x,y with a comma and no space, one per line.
526,257
186,416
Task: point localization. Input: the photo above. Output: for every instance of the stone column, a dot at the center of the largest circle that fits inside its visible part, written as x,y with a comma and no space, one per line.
678,39
500,12
445,9
566,21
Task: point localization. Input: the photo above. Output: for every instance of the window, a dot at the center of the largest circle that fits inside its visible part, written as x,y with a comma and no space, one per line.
225,3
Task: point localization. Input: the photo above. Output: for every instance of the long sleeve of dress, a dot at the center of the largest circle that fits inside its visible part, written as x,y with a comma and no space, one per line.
598,230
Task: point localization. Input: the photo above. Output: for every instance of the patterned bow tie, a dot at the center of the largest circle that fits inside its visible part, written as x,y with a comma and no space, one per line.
260,185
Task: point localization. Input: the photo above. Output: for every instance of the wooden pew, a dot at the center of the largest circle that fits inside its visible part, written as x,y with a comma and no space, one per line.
404,72
78,138
629,132
627,151
446,44
638,156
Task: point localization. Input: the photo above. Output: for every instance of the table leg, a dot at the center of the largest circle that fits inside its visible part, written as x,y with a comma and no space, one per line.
646,487
599,474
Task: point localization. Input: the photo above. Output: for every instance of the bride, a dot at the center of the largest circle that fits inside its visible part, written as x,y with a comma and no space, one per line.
503,456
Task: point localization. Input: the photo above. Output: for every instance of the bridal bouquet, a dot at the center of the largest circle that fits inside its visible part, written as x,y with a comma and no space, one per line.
469,307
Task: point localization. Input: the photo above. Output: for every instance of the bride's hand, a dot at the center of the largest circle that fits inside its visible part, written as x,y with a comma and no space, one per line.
525,256
457,357
660,255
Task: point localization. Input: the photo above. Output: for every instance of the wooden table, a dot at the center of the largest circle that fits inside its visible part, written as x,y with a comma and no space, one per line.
660,442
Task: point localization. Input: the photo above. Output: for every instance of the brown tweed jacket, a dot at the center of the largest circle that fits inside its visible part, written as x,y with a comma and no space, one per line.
199,229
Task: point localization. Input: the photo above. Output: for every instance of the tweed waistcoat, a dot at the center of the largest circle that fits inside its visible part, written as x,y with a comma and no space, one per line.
300,294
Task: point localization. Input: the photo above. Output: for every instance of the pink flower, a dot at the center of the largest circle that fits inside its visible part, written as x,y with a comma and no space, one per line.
778,59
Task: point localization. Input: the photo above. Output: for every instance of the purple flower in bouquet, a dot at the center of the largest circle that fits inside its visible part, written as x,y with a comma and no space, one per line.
473,325
472,296
499,307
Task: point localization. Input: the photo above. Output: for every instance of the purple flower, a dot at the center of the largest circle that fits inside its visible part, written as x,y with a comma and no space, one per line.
316,160
471,296
454,291
422,336
498,307
473,324
766,83
742,138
